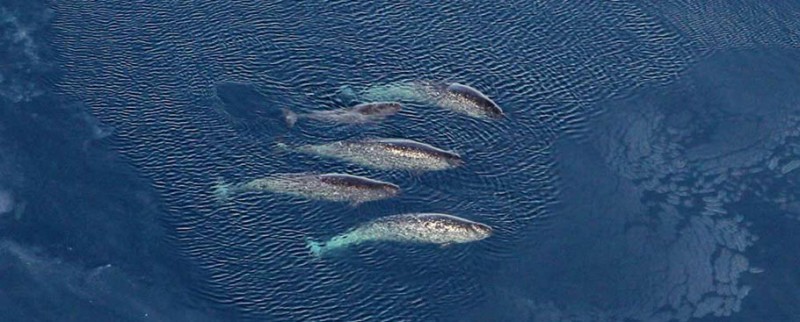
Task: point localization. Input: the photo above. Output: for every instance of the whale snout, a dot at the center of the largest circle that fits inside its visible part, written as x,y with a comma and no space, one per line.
495,112
455,162
453,159
483,230
392,189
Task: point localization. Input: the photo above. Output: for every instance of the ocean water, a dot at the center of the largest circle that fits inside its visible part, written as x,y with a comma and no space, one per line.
646,169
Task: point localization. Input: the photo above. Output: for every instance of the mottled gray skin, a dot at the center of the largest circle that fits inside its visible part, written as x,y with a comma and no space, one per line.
453,96
358,114
428,228
331,187
388,154
423,228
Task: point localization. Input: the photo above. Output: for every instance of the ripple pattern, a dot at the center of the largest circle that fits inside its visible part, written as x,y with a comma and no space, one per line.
158,73
667,177
733,24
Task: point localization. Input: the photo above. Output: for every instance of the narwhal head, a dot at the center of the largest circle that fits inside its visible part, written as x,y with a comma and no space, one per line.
470,231
486,105
480,231
453,159
390,189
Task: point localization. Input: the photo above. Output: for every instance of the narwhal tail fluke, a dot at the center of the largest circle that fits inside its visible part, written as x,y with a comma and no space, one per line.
316,248
290,117
223,191
279,145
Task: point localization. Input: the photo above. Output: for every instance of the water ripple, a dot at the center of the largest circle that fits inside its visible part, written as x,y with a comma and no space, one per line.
156,72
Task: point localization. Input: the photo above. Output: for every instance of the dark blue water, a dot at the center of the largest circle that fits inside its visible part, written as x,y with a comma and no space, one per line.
647,169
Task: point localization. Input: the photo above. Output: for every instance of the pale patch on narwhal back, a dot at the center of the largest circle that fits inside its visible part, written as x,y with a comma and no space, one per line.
400,91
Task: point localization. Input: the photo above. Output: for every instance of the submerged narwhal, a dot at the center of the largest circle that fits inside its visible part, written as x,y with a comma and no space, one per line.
329,186
358,114
428,228
387,154
457,97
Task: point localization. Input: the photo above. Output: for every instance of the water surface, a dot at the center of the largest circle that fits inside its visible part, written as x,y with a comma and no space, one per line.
646,168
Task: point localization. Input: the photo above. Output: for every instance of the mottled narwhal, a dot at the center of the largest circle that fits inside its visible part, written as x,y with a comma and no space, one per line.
430,228
329,186
358,114
387,154
453,96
